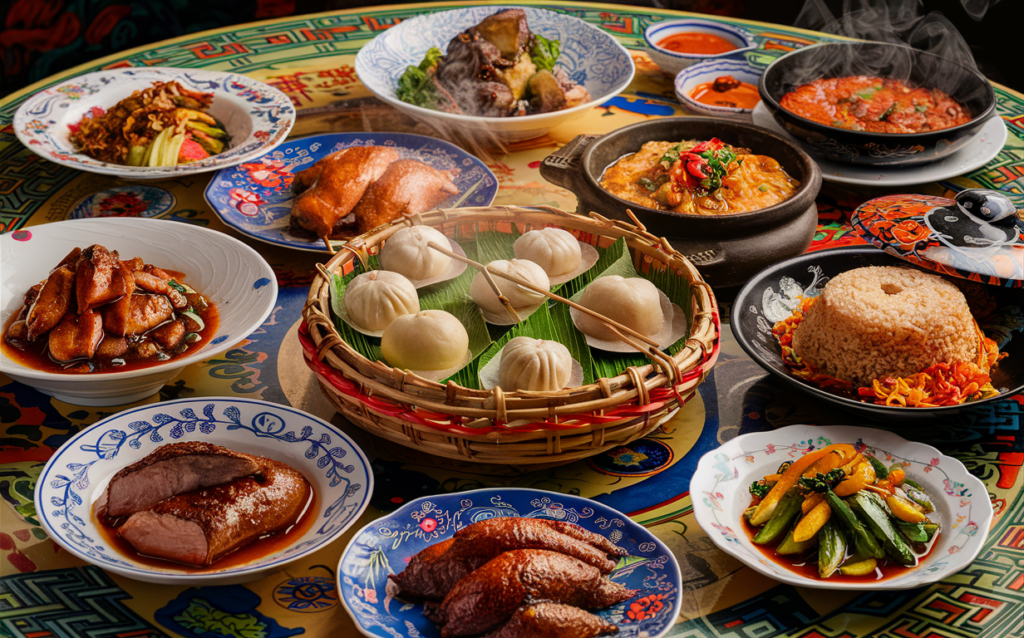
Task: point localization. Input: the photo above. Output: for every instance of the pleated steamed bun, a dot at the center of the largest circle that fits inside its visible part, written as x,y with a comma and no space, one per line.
427,340
483,295
407,253
634,303
553,249
374,299
534,364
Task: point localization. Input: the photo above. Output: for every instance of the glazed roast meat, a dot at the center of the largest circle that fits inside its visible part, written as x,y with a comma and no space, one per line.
432,573
174,469
486,599
553,620
197,528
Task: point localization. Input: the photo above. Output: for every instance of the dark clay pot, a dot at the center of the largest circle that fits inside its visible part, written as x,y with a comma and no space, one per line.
917,68
727,249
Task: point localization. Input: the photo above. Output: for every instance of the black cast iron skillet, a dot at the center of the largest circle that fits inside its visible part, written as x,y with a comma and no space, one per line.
763,300
727,249
917,68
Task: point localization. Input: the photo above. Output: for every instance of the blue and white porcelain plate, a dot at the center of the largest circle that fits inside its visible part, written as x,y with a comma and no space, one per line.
257,116
78,473
255,198
385,546
590,57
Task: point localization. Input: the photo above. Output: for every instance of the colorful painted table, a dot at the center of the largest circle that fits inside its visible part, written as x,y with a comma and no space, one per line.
44,592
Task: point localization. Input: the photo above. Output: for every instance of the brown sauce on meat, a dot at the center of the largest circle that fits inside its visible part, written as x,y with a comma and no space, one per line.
266,545
36,354
806,565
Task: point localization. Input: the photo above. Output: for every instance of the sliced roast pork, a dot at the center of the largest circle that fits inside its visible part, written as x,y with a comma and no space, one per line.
197,528
174,469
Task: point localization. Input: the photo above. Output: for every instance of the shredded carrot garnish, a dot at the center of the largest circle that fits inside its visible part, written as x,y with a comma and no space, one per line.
940,384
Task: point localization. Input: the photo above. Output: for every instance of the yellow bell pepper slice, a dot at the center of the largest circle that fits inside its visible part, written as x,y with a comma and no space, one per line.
767,506
811,524
905,510
863,476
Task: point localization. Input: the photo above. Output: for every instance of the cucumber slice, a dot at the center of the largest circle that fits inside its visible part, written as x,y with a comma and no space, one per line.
172,149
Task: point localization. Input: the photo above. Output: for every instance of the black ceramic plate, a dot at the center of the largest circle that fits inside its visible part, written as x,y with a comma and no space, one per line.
770,295
918,68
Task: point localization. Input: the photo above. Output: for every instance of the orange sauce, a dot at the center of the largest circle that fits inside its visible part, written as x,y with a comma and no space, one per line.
727,91
696,42
266,545
802,565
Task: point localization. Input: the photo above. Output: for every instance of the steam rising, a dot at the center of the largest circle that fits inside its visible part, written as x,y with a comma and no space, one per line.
903,23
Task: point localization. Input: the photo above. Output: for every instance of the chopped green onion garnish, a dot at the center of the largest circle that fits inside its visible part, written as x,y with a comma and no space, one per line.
194,317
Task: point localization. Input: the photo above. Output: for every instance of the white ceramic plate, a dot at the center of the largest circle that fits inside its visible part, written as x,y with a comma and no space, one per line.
231,274
980,151
78,473
257,116
720,494
590,56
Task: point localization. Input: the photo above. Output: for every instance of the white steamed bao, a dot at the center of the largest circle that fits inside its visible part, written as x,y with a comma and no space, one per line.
426,340
634,303
483,295
553,249
374,299
534,365
407,253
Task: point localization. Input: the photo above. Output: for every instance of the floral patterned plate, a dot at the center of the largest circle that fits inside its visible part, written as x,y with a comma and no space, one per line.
720,494
255,198
257,116
78,473
385,546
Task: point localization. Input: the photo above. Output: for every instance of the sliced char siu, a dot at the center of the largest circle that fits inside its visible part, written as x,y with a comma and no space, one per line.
197,528
484,600
432,573
174,469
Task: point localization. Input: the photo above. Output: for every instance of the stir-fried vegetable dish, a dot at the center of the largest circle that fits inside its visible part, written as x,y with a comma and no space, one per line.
95,312
162,125
843,510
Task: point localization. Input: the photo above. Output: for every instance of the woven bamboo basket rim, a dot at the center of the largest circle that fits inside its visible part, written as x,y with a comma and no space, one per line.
479,410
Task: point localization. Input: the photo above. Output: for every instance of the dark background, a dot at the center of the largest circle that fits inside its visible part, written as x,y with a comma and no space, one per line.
41,37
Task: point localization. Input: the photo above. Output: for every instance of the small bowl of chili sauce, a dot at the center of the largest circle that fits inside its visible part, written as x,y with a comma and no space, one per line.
719,88
676,44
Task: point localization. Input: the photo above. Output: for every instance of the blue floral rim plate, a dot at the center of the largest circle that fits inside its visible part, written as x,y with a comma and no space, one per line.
77,474
385,546
257,116
255,197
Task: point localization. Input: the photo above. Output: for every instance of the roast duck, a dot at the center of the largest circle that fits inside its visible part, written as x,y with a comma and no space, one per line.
359,188
196,502
516,577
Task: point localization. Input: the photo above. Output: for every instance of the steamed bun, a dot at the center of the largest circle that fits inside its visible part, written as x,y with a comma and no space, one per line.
374,299
427,340
483,295
553,249
534,364
407,253
634,303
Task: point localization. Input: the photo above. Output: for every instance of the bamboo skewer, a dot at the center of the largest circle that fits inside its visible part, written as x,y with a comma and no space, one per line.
621,330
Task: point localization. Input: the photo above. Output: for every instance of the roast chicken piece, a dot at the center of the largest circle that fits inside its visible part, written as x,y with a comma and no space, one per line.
51,303
407,187
552,620
76,336
487,598
340,185
146,312
433,572
152,283
197,528
171,470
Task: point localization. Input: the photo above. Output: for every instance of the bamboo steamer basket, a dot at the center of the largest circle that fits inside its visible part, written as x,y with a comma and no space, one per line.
526,430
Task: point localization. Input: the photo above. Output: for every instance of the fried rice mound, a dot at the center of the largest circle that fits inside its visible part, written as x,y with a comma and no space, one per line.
881,321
